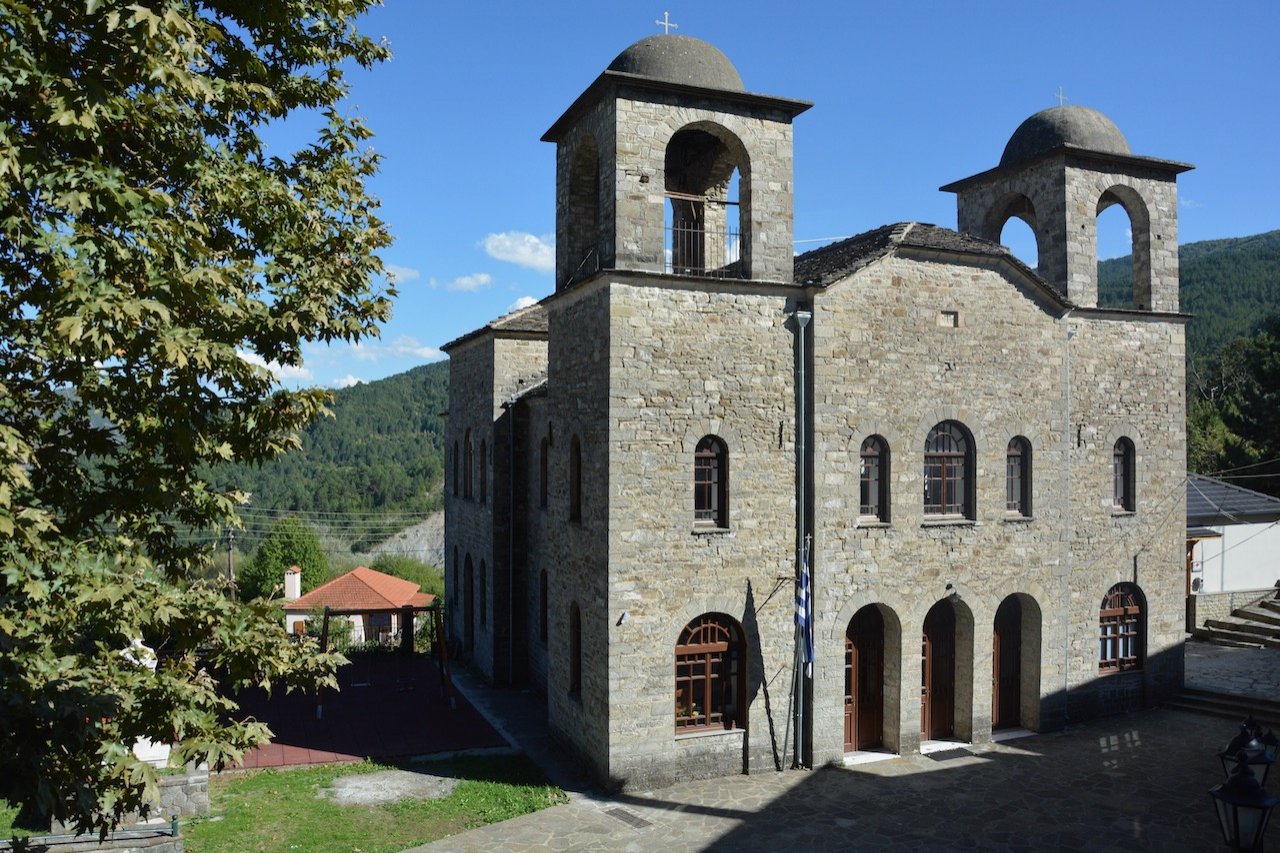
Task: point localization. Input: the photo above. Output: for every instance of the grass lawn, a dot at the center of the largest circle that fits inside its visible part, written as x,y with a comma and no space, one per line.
281,810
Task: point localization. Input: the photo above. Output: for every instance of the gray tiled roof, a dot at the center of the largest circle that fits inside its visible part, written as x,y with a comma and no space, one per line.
531,320
833,262
1211,501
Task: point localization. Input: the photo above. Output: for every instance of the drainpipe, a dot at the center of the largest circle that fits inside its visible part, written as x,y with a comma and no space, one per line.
802,319
1069,539
510,406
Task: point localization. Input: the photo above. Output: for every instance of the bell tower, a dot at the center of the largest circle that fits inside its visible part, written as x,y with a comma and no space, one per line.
1061,168
665,164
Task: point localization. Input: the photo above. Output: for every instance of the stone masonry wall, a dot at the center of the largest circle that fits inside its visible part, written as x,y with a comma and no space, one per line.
686,361
885,364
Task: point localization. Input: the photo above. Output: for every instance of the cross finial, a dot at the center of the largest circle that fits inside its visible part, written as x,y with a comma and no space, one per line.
1061,96
666,24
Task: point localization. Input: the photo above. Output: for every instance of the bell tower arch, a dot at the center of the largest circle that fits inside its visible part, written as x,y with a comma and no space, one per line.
666,164
1061,168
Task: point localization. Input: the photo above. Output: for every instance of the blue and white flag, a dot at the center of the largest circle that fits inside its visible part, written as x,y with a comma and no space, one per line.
804,612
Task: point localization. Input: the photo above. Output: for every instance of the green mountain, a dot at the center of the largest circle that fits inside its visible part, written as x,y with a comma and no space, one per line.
381,453
1230,286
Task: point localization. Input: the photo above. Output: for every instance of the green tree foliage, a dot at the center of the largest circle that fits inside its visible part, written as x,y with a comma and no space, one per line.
425,575
153,257
1232,425
290,542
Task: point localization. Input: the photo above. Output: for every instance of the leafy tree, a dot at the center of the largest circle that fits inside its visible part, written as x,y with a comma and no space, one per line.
425,575
153,258
290,542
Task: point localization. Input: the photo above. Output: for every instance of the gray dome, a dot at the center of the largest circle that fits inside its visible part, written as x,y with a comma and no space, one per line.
679,59
1079,127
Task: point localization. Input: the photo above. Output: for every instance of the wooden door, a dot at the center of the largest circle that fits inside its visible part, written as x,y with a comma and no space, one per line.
864,681
938,673
1006,666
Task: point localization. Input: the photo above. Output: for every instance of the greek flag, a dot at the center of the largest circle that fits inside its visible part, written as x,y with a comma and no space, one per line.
804,613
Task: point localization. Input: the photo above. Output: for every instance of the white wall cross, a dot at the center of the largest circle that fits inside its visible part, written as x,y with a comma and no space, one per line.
666,24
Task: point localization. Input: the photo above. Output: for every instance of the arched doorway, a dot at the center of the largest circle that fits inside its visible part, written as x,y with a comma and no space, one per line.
938,673
1006,666
864,644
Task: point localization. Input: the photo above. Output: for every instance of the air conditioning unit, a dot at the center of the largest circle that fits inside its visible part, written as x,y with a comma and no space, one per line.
1196,584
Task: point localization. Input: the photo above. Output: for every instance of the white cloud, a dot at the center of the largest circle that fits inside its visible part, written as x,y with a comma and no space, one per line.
279,371
522,302
346,381
1189,203
400,274
365,352
470,283
523,249
409,345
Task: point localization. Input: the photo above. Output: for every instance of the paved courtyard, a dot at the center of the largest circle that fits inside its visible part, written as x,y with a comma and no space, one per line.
1131,782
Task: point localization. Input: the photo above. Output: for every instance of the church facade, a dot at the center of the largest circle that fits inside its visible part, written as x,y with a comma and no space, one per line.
970,473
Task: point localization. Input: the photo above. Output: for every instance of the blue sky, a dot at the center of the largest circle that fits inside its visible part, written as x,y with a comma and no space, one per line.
907,97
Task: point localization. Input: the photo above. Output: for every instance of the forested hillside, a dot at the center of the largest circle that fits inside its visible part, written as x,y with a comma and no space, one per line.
380,452
1230,286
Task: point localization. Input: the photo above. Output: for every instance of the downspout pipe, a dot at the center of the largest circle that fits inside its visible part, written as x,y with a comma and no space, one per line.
1068,519
802,319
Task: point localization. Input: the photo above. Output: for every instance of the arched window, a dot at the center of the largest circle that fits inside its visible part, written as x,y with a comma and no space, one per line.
1121,627
484,472
543,458
456,462
468,464
542,606
708,225
484,593
710,685
948,471
1123,468
575,480
1017,478
873,500
575,650
711,483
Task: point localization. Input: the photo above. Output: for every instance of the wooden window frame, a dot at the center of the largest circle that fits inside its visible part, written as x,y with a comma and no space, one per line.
873,479
1123,475
1017,471
711,484
710,675
1121,630
948,472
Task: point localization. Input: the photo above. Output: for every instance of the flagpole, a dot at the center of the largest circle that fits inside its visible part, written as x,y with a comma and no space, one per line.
803,611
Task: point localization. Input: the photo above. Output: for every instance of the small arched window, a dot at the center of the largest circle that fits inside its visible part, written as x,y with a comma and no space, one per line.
873,499
483,472
711,483
1121,629
543,460
1017,477
468,464
710,684
948,471
575,480
456,463
1123,470
575,650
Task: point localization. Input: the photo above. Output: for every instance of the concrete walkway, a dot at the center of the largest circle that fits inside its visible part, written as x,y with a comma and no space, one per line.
1131,782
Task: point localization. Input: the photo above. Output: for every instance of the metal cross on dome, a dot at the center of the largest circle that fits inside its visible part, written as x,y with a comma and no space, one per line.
1061,96
666,24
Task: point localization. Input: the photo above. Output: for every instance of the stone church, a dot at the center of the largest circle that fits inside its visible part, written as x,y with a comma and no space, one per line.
973,470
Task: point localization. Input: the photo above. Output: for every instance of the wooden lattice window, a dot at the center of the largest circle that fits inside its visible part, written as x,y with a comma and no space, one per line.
711,483
1123,468
1120,629
873,500
948,467
1018,477
710,675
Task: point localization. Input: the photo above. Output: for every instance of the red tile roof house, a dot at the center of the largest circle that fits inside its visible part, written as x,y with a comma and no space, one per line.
377,596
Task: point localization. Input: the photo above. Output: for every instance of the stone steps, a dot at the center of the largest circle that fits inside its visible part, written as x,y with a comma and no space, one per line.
1265,711
1259,613
1244,625
1254,626
1272,604
1225,637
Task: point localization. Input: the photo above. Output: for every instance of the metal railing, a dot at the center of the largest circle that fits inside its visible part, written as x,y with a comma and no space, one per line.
694,250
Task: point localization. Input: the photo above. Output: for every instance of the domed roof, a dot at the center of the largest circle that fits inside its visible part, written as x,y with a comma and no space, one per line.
679,59
1079,127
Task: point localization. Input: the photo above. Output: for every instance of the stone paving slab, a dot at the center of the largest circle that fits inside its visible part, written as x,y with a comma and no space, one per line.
1130,782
